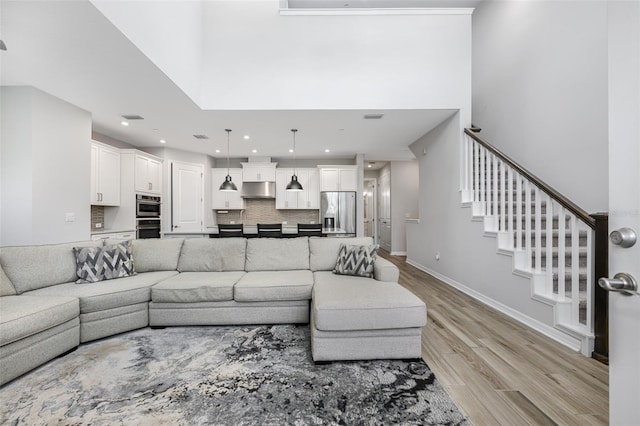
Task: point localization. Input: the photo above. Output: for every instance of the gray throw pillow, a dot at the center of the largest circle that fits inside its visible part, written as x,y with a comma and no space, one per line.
118,260
94,264
356,260
89,264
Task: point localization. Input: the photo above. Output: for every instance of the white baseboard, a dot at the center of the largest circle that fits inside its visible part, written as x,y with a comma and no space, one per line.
560,337
398,253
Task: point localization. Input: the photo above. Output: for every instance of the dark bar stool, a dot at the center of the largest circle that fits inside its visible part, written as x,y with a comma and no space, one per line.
309,230
232,230
273,230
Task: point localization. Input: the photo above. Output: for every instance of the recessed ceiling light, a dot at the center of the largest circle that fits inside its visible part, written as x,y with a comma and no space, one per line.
163,141
254,151
246,137
124,123
369,165
327,150
291,150
217,150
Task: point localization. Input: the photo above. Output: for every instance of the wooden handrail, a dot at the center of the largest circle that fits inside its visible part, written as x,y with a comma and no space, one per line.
564,201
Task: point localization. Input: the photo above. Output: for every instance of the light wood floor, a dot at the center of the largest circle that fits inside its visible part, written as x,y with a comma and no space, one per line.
498,371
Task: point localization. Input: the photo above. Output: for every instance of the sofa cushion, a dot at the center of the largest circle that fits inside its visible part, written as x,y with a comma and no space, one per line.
212,255
323,251
108,294
155,254
33,267
274,285
355,303
278,254
356,260
192,287
24,316
6,287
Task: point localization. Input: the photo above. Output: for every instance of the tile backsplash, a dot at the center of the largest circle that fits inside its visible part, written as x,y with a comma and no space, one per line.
264,211
97,217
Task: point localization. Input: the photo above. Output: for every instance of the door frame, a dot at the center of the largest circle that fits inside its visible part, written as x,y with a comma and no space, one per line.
374,207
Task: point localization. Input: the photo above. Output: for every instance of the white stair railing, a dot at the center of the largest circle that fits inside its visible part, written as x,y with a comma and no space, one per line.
551,238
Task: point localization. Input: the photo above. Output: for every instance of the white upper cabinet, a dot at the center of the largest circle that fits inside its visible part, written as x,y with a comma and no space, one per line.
285,199
105,175
258,172
226,200
308,198
338,178
148,174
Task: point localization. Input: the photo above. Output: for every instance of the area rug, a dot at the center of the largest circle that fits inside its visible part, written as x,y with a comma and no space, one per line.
259,375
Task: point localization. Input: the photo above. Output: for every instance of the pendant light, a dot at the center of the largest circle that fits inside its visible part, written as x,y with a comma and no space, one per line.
294,185
227,185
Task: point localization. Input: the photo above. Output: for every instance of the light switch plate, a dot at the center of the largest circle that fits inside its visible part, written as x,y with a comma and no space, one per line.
70,217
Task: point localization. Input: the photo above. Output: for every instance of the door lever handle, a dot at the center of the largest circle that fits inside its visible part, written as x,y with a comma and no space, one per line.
621,283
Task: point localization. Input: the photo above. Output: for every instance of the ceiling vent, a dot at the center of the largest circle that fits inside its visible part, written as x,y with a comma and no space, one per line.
132,117
373,116
201,136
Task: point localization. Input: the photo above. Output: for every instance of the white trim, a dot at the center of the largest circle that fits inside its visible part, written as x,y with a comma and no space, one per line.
398,253
560,337
377,12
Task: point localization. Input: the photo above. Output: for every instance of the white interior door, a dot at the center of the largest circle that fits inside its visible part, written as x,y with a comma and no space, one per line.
384,209
370,209
187,197
624,207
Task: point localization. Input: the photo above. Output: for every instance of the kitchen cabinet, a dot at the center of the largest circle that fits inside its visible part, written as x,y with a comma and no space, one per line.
226,200
308,198
148,175
344,178
105,175
258,172
285,199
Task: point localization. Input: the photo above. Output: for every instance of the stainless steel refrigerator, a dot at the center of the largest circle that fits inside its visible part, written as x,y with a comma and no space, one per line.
338,213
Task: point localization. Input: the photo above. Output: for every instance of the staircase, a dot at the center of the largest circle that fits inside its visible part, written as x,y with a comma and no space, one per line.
551,240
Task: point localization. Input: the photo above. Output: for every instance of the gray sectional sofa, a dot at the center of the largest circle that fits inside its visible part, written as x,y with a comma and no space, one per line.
44,313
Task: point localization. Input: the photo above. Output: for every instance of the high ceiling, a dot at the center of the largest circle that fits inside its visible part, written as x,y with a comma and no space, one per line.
70,50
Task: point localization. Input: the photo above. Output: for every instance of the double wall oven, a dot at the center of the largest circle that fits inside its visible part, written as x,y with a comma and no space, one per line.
148,208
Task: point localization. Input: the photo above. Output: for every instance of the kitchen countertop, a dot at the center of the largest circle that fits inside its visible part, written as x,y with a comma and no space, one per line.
110,231
251,230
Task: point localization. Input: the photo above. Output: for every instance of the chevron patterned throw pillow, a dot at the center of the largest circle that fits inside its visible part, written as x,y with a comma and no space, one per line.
356,260
89,264
118,260
94,264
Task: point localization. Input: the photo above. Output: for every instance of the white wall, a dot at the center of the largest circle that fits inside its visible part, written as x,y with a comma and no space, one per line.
170,33
466,256
540,91
267,61
45,168
404,201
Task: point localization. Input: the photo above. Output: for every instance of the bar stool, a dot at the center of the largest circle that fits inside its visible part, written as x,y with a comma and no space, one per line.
309,230
273,230
230,230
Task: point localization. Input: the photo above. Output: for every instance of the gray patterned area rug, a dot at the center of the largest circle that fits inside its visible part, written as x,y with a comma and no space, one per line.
260,375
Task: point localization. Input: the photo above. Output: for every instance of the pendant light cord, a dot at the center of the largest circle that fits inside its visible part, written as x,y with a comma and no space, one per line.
295,171
228,132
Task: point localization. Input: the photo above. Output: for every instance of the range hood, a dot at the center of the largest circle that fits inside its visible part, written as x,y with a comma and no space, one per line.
258,190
